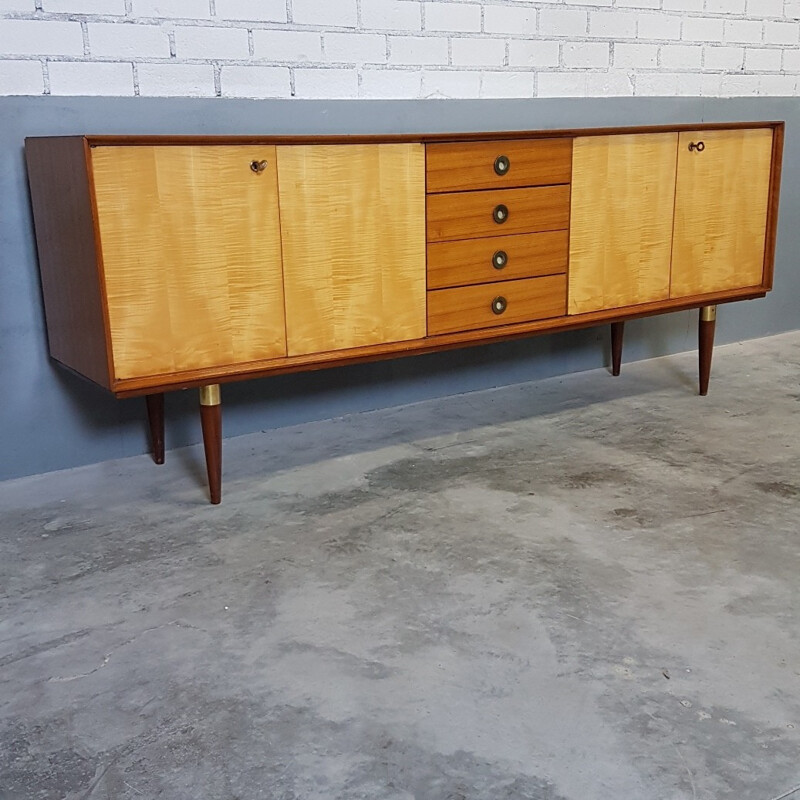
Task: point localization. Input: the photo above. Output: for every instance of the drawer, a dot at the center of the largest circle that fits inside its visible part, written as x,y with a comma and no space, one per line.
505,163
470,307
472,215
498,258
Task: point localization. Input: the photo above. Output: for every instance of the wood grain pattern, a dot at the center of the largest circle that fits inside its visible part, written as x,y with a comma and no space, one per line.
353,227
721,207
470,307
431,344
145,384
191,256
468,215
461,166
623,190
65,239
467,262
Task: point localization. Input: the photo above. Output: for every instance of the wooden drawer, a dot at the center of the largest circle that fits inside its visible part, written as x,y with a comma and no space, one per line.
473,261
470,307
456,167
471,215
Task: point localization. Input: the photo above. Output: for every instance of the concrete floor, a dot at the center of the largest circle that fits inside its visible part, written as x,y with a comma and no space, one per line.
578,589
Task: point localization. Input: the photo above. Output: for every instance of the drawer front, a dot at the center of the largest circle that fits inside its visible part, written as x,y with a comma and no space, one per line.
471,307
499,258
471,215
458,167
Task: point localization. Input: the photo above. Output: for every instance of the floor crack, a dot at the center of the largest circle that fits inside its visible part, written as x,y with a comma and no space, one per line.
787,794
107,656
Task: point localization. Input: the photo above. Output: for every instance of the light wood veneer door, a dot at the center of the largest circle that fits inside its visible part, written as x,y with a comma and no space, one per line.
190,241
721,210
623,190
353,227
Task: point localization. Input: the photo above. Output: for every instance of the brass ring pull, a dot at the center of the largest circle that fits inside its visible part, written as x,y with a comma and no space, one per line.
500,214
500,259
502,164
699,146
258,166
499,305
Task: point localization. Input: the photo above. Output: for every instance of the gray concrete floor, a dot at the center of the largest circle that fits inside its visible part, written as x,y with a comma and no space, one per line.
577,589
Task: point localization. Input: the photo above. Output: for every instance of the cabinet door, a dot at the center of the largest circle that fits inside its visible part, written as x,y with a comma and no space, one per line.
721,210
353,227
623,190
190,242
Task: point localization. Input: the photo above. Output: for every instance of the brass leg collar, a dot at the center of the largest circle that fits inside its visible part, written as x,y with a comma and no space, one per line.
210,395
708,313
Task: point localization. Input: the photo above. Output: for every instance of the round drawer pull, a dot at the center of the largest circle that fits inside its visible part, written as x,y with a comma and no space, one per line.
499,305
258,166
500,259
500,214
502,165
699,146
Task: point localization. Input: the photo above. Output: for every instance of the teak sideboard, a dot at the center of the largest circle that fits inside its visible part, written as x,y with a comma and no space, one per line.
175,262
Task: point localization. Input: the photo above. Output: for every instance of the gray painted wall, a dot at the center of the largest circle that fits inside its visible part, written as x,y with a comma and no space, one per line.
51,419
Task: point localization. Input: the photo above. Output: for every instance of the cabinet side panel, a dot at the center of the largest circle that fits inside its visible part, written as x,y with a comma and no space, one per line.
190,240
774,198
353,228
623,191
721,211
65,239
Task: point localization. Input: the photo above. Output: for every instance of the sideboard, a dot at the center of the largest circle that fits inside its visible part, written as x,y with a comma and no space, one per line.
176,262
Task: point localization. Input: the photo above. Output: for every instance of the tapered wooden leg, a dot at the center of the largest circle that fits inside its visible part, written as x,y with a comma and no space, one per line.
155,419
617,329
708,321
211,419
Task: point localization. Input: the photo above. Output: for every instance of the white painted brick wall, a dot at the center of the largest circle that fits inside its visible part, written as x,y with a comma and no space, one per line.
251,10
355,48
400,48
458,17
91,78
176,80
478,52
123,39
253,81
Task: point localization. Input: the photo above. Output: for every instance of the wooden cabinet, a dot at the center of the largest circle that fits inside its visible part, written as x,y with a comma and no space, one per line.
176,262
499,258
721,206
353,228
491,305
668,215
621,220
498,164
193,242
497,233
190,254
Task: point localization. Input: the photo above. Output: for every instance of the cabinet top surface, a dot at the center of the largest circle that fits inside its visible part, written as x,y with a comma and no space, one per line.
462,136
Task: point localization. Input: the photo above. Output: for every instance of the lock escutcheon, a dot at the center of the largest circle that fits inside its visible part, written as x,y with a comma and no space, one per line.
258,166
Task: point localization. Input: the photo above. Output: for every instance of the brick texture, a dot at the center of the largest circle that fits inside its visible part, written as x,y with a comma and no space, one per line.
400,48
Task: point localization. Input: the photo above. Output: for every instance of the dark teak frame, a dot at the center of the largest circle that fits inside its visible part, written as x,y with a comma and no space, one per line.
68,243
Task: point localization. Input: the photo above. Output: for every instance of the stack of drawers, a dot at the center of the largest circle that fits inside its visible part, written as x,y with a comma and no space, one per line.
497,232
